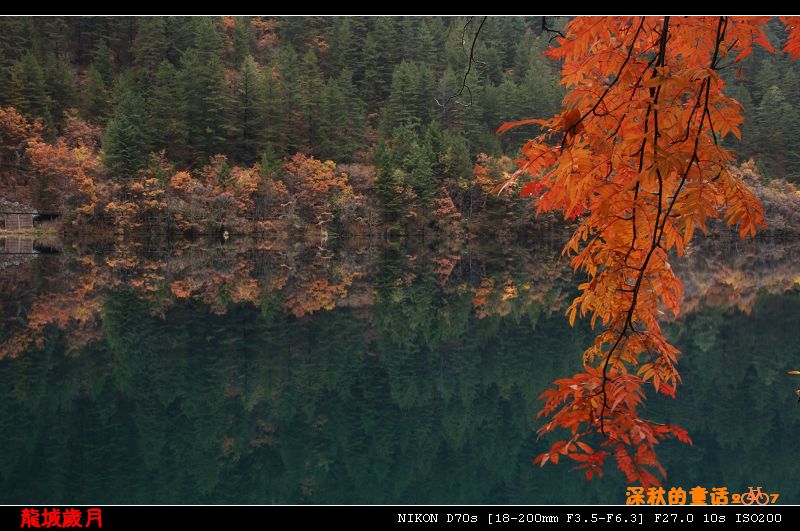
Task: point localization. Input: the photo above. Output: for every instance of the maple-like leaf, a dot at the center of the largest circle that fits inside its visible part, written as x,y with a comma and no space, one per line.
635,158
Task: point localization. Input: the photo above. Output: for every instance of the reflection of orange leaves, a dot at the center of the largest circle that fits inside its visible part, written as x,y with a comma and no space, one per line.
180,289
443,267
16,344
76,311
509,292
317,294
246,290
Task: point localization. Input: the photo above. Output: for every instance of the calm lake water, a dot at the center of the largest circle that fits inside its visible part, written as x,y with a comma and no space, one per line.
225,374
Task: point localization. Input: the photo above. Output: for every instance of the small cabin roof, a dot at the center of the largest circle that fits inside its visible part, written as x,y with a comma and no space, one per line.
12,207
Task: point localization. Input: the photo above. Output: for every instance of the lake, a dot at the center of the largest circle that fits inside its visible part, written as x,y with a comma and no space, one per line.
230,372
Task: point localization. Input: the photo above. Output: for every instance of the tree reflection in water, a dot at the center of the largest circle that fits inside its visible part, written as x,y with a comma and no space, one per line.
238,374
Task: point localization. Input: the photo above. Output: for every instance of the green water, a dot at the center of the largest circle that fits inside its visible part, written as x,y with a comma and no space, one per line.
412,398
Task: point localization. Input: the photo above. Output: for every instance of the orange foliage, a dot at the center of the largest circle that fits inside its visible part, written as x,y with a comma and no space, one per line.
635,158
315,183
266,31
69,173
16,131
16,134
80,133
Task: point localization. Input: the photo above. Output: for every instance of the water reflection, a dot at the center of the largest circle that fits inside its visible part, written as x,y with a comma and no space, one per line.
236,373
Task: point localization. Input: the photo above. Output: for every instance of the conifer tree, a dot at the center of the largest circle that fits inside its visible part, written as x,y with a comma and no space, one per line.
150,47
27,89
247,115
166,112
60,85
125,144
244,40
204,83
274,109
96,97
309,98
343,122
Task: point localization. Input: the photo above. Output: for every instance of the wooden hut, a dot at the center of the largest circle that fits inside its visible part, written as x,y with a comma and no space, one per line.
16,216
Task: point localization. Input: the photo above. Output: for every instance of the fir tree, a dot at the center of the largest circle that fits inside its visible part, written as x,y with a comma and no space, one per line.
96,97
125,143
309,98
166,112
27,89
248,97
419,168
274,109
60,85
150,47
244,40
342,123
204,83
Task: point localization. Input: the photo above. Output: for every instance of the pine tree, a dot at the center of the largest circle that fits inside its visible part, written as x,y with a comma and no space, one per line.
274,109
150,47
332,123
28,92
389,182
248,119
16,37
60,85
403,106
96,97
419,168
341,53
372,84
204,83
427,51
539,89
455,160
448,106
5,80
343,122
270,162
244,40
424,95
287,76
103,63
390,51
309,98
166,112
774,117
356,118
768,76
791,86
125,143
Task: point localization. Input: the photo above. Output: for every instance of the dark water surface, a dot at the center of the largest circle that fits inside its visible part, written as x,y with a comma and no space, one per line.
364,376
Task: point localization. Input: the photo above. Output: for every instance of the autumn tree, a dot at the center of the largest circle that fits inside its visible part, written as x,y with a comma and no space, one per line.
635,158
315,185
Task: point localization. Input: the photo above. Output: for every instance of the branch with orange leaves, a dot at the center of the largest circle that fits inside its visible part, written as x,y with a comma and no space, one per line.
596,167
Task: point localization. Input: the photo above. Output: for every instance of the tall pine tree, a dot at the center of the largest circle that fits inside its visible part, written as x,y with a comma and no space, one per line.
125,146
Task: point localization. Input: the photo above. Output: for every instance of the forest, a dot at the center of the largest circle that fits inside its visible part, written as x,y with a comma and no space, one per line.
274,125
